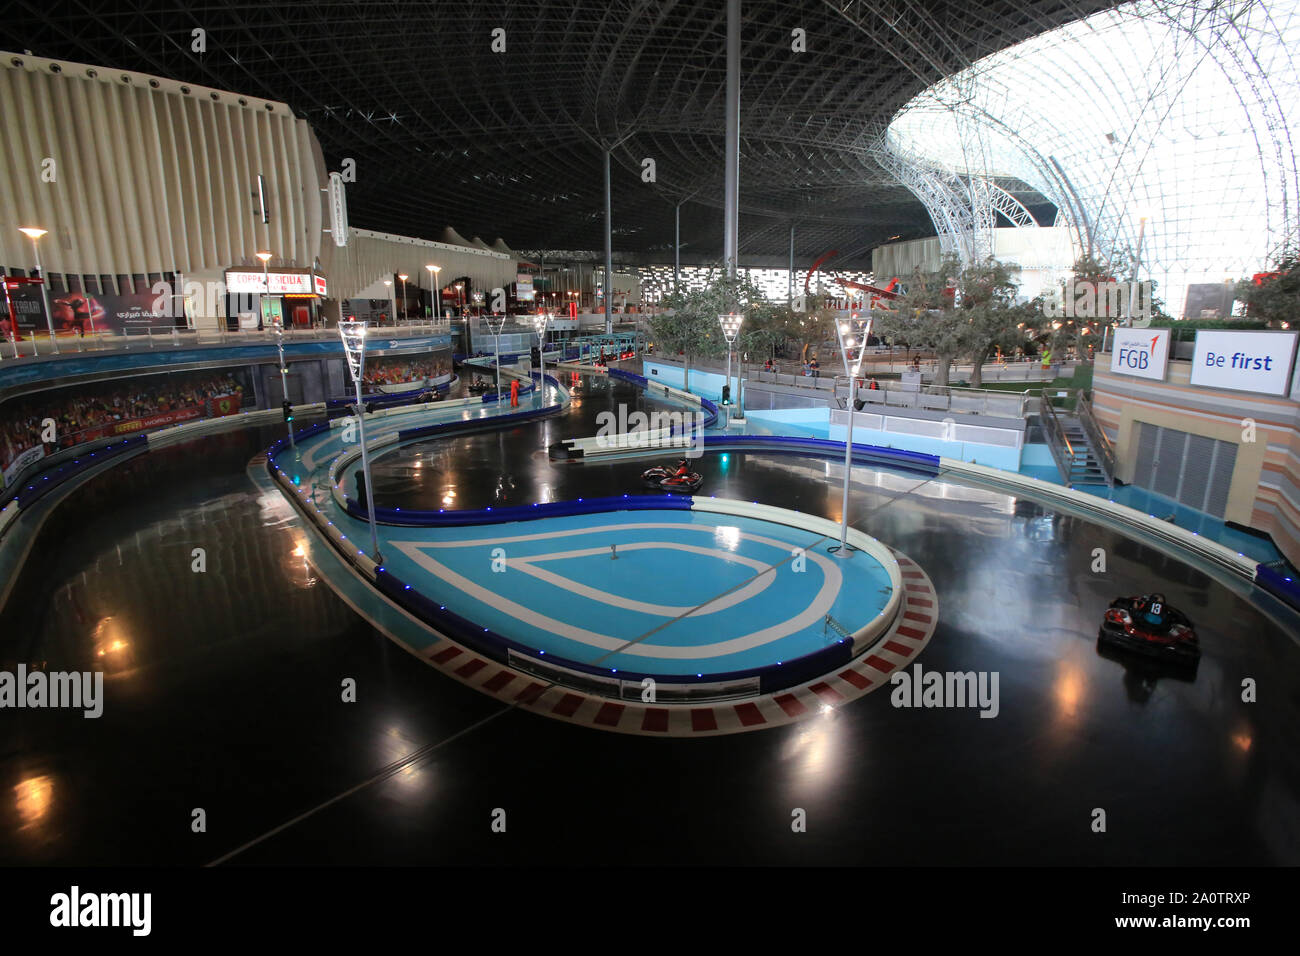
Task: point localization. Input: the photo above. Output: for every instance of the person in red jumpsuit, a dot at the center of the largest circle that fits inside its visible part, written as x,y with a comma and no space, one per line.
514,393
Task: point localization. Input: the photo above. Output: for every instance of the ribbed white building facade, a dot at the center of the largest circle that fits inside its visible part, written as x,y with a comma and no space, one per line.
138,178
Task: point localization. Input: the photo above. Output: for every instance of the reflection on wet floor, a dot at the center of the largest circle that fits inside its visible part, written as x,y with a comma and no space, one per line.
224,692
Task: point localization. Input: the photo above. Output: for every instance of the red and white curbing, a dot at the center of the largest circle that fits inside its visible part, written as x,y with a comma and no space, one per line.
909,635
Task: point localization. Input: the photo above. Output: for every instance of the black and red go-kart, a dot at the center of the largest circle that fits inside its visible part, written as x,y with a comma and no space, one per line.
1148,625
667,479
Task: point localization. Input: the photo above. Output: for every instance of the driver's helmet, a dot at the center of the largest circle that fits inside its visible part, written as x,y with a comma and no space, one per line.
1156,598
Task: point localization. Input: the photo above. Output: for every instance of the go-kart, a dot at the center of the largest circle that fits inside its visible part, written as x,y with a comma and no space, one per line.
667,479
478,387
1147,625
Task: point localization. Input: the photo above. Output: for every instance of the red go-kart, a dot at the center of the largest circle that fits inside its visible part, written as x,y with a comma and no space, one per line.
672,479
1148,625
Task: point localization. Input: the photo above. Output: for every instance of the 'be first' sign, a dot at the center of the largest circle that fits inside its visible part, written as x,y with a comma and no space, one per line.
1244,361
1140,352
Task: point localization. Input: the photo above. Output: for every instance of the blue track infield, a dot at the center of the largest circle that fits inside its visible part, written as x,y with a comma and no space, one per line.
688,593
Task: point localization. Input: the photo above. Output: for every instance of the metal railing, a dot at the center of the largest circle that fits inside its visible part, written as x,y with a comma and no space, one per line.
1017,372
1103,449
153,339
1057,441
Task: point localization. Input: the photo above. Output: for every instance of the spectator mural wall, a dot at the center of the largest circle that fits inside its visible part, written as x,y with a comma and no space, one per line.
33,426
407,369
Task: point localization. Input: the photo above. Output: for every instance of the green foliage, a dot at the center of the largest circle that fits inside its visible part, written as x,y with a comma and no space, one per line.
692,327
1090,268
1278,299
980,318
692,324
923,318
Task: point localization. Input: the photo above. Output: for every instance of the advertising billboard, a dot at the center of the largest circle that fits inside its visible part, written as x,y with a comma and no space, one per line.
1244,361
80,312
1143,353
26,308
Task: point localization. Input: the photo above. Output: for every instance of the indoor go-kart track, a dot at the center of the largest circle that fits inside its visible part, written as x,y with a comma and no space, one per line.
224,687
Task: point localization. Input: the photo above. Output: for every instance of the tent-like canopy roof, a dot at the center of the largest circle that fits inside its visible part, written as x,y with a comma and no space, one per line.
444,129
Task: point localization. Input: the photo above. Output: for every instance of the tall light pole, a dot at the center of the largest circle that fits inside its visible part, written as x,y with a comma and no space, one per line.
278,325
789,298
433,284
851,333
34,234
353,335
609,253
13,329
731,165
266,289
731,323
542,320
404,277
496,325
677,247
1137,261
392,299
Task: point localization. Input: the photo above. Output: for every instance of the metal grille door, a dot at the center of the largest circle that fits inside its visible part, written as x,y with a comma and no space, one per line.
1193,470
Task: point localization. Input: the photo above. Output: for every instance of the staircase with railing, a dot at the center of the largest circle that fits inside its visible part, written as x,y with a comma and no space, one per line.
1083,453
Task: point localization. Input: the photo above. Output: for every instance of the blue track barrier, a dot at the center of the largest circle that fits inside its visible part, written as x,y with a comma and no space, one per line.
1279,584
913,461
386,399
43,483
628,376
710,411
532,512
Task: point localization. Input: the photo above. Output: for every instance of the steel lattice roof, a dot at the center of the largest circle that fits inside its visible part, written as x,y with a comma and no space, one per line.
446,132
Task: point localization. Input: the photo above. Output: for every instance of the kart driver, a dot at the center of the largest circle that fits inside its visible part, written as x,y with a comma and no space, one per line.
682,469
1153,609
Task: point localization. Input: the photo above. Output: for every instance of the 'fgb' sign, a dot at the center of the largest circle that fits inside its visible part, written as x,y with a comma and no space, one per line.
1244,361
1140,352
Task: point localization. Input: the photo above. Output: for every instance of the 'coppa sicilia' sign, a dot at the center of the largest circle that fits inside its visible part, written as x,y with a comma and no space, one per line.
275,283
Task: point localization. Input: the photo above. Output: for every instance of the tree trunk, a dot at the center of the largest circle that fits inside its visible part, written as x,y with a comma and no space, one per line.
977,372
941,374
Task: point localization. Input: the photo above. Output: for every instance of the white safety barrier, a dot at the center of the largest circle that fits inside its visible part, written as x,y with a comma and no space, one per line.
630,442
1212,551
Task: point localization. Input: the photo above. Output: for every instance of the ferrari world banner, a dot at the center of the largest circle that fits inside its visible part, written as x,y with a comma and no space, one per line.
214,407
